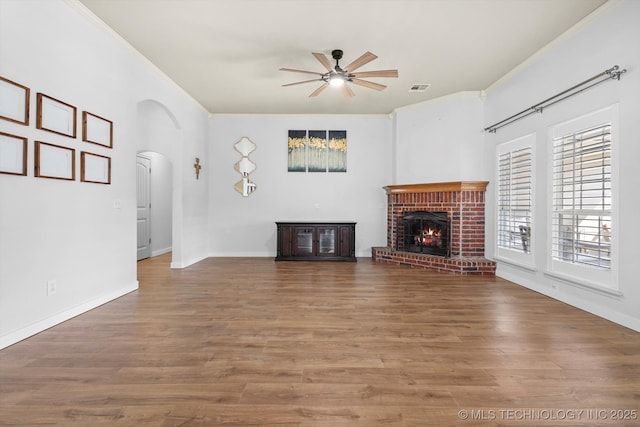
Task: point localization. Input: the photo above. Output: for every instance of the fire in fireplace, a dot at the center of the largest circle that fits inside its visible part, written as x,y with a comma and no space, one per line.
425,232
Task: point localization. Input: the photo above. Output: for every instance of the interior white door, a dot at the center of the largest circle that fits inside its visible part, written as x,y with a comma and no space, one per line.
143,169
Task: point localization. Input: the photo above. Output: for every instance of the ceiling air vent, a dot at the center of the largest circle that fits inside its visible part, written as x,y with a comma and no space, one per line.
419,87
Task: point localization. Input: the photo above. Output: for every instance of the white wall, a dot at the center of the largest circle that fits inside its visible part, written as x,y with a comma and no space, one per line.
436,141
440,140
74,232
610,38
245,226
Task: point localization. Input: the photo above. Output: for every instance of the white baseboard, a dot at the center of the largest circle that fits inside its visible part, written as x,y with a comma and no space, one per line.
590,307
158,252
260,254
21,334
185,264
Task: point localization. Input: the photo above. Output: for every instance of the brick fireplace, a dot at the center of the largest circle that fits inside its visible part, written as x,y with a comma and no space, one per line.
463,203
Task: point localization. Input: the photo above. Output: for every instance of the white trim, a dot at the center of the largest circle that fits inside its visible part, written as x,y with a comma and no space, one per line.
510,255
185,264
578,274
523,266
593,308
44,324
584,284
263,254
590,119
159,252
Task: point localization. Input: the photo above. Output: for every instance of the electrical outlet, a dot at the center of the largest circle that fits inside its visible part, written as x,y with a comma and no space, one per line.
52,287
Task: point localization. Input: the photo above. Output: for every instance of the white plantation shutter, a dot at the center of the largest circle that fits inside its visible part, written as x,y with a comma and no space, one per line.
582,197
515,204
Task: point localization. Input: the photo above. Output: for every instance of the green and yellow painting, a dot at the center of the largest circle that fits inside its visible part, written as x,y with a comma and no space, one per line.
297,151
317,152
337,152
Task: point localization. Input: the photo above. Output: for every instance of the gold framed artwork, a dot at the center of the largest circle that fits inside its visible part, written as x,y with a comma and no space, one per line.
13,154
14,101
97,130
55,161
95,168
55,116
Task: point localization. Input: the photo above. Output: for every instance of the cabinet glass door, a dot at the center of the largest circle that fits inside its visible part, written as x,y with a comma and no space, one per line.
304,241
326,241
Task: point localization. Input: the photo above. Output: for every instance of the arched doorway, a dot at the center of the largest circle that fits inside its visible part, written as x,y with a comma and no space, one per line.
159,141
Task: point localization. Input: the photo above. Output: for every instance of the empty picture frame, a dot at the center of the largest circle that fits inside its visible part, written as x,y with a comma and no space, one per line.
14,102
97,130
95,168
13,154
55,116
55,161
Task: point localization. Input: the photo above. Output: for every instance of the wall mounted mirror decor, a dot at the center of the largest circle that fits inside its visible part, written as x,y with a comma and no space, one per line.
245,146
245,166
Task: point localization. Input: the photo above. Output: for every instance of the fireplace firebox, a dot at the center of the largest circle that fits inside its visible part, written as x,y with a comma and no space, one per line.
425,232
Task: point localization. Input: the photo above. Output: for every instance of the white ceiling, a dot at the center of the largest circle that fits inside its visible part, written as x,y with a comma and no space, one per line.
226,53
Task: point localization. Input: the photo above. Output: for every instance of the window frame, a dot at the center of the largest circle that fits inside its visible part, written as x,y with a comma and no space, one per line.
580,274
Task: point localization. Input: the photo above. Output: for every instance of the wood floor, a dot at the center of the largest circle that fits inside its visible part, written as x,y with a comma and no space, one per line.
248,341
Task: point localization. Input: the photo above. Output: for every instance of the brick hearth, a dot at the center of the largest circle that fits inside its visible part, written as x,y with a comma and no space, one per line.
464,204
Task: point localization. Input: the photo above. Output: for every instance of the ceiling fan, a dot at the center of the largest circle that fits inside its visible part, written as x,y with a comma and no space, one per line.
337,76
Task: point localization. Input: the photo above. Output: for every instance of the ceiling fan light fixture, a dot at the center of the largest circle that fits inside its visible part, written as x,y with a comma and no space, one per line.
336,80
342,78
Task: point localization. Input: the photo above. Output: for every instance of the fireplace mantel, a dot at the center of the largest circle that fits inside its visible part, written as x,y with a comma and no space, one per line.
437,187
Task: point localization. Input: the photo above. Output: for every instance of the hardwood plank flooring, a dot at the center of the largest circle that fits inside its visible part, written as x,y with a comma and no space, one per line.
248,341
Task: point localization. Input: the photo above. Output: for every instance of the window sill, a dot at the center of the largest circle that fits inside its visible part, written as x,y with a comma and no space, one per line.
513,263
584,284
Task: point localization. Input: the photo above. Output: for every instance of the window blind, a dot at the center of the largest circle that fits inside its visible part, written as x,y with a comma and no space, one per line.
582,197
515,169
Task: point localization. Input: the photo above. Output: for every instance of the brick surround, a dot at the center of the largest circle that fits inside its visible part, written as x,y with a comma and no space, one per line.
464,204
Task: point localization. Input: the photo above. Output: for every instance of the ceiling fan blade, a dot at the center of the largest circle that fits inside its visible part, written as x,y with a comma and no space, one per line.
304,81
370,85
300,71
324,60
347,91
364,59
320,89
379,73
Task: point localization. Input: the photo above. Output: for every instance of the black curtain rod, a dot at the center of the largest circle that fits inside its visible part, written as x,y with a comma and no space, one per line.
612,73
